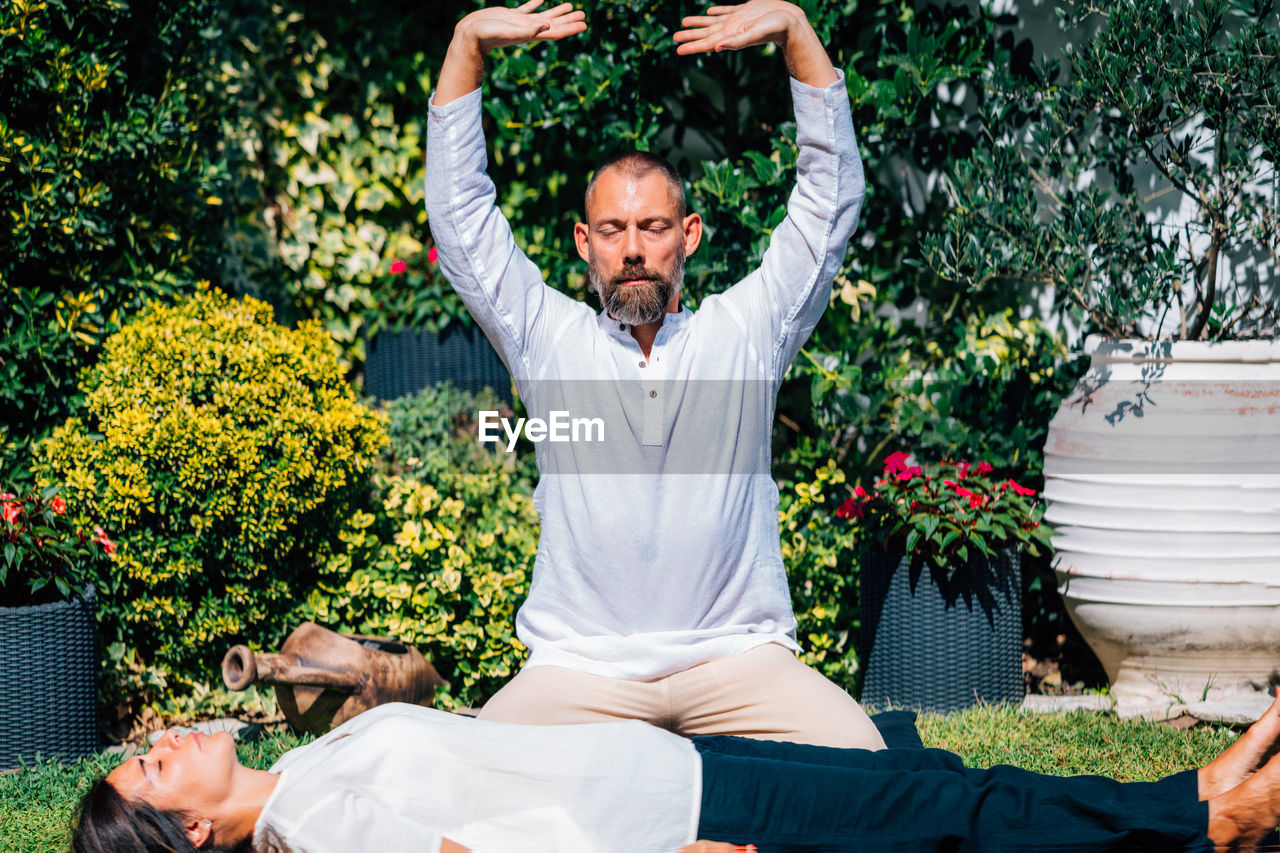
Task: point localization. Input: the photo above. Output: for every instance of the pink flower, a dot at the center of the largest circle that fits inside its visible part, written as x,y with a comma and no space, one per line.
984,468
1021,490
432,255
11,511
962,470
7,496
896,463
58,505
908,473
398,267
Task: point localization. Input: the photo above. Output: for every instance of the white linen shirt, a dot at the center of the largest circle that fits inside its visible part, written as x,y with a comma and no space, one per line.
659,546
400,778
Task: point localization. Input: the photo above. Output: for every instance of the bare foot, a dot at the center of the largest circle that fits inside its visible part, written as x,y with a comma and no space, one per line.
1250,751
1244,815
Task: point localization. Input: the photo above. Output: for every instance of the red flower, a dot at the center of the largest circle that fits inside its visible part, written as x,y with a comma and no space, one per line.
896,463
984,468
398,267
432,255
1021,490
851,509
58,505
7,496
962,470
100,537
975,500
908,473
11,511
859,492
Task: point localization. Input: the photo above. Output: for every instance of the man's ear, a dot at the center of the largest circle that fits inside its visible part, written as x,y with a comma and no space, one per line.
198,831
692,233
580,232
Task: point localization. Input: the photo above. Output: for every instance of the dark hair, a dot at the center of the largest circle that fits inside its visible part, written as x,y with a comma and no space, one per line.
638,164
111,824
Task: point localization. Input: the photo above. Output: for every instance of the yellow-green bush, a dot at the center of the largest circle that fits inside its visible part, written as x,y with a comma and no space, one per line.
444,559
818,551
220,449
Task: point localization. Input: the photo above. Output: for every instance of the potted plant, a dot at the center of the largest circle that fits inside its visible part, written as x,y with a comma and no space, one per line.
1139,198
941,592
48,650
421,334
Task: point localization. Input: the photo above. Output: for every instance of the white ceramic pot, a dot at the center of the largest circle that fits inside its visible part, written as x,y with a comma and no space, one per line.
1162,475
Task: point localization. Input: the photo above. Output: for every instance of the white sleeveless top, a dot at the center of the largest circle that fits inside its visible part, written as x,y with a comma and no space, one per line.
401,778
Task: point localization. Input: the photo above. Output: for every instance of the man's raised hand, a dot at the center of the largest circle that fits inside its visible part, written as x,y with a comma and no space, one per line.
501,27
494,27
755,23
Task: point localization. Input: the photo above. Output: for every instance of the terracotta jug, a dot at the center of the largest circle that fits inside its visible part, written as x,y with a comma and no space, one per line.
323,679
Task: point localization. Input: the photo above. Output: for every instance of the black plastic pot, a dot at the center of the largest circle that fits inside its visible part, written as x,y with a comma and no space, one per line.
400,363
939,643
48,681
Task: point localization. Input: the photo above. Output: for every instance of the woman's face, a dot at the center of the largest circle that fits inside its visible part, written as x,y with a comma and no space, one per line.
192,774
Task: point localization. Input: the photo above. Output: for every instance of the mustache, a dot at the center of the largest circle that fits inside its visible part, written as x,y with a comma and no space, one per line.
635,272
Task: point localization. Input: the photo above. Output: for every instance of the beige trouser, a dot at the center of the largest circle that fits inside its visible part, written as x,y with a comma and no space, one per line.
763,693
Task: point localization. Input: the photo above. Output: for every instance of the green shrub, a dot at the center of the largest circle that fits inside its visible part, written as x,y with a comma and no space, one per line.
219,448
444,559
111,183
819,553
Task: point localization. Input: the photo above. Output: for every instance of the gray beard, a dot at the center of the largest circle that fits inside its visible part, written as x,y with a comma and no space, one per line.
641,303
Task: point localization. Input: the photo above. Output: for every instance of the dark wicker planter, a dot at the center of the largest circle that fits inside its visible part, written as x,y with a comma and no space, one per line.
48,681
400,363
938,643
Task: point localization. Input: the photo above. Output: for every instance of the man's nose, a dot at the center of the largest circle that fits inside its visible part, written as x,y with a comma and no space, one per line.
632,251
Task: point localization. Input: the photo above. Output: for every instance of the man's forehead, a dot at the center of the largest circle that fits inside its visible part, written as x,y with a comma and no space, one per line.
619,188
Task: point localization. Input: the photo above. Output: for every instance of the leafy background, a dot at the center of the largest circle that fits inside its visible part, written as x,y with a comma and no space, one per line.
274,147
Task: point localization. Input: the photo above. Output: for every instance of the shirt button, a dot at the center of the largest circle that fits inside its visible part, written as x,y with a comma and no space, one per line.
653,393
643,363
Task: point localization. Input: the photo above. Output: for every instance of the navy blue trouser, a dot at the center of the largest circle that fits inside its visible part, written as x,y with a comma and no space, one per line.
790,798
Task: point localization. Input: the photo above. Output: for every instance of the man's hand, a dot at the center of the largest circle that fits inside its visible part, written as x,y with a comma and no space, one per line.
760,22
716,847
486,29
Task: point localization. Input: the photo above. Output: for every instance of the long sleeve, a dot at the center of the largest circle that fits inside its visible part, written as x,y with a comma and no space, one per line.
500,286
784,298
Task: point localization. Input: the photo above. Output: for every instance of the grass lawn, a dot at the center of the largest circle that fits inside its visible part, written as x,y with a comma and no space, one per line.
37,805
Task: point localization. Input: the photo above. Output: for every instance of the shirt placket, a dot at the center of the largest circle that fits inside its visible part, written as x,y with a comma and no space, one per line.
652,387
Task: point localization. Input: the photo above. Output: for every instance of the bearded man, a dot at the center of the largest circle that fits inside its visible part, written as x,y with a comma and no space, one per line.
659,591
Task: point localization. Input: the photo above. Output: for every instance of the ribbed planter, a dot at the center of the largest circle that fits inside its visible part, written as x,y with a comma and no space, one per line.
400,363
48,681
939,643
1162,478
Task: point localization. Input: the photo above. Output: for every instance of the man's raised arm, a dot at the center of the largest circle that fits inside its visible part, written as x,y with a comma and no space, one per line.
501,287
784,298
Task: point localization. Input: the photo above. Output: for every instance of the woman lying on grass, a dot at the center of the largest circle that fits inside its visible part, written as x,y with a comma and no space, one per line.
404,778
